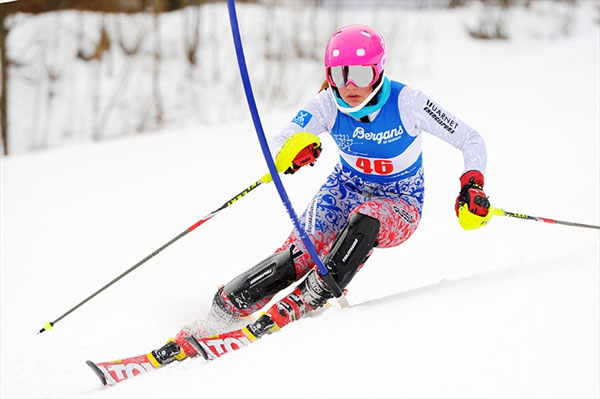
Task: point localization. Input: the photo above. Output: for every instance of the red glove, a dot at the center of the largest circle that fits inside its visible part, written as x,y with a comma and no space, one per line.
471,193
308,155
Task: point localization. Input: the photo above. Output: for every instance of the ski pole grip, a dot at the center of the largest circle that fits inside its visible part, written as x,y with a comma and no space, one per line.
289,150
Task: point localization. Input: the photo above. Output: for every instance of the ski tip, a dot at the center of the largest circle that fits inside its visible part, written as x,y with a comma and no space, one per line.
97,371
196,345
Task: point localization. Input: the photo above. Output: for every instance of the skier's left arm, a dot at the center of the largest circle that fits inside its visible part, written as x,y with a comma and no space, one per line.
422,113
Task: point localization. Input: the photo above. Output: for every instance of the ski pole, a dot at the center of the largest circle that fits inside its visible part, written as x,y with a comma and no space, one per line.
502,212
265,179
470,221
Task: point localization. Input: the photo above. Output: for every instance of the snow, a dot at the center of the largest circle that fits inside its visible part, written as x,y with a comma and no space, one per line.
510,310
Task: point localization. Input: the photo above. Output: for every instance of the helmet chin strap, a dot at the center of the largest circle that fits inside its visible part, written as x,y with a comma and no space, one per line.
348,110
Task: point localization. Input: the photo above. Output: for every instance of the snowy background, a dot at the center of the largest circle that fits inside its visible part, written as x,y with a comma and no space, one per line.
511,310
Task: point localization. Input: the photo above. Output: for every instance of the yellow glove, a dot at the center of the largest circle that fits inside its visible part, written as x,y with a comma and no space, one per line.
300,149
471,221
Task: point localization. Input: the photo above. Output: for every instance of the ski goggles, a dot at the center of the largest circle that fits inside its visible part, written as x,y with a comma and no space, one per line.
360,75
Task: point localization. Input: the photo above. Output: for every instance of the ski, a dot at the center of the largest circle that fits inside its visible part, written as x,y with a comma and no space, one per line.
113,372
210,348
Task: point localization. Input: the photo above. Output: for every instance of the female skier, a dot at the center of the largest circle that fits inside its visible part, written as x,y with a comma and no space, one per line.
372,198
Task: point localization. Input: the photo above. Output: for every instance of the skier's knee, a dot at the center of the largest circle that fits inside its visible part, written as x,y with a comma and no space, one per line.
352,247
253,289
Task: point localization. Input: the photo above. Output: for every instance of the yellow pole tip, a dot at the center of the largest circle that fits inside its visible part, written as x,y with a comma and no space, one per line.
47,327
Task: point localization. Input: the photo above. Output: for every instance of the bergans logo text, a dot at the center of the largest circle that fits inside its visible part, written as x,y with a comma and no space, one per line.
380,137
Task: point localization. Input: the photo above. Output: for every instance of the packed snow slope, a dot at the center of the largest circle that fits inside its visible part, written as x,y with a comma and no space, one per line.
510,310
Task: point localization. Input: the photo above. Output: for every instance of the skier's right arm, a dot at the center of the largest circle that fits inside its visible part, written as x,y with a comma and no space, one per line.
317,116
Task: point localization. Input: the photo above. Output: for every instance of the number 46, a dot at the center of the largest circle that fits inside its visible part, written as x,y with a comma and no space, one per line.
380,166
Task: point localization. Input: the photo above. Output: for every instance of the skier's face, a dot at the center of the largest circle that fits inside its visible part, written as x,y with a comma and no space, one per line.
353,94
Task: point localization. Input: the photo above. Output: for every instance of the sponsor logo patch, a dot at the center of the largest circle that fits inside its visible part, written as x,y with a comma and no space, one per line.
302,118
434,111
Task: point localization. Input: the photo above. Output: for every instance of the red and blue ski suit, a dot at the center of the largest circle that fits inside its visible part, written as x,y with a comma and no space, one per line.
380,172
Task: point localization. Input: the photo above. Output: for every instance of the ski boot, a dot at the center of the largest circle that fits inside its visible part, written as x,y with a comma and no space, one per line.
310,295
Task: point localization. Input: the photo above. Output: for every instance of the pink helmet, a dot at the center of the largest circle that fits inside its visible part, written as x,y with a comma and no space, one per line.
355,45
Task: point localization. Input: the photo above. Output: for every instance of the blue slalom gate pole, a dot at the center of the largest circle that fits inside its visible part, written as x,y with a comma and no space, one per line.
335,289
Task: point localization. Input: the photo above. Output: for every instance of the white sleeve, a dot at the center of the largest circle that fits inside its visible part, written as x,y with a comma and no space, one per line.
419,112
316,117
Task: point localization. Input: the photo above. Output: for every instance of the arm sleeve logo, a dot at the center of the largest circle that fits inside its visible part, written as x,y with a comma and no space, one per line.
302,118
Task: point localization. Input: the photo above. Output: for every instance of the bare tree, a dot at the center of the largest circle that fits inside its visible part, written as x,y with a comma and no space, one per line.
156,68
191,33
129,47
5,10
4,92
492,20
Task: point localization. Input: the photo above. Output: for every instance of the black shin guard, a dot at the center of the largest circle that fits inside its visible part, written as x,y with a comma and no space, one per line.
351,247
257,284
253,289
